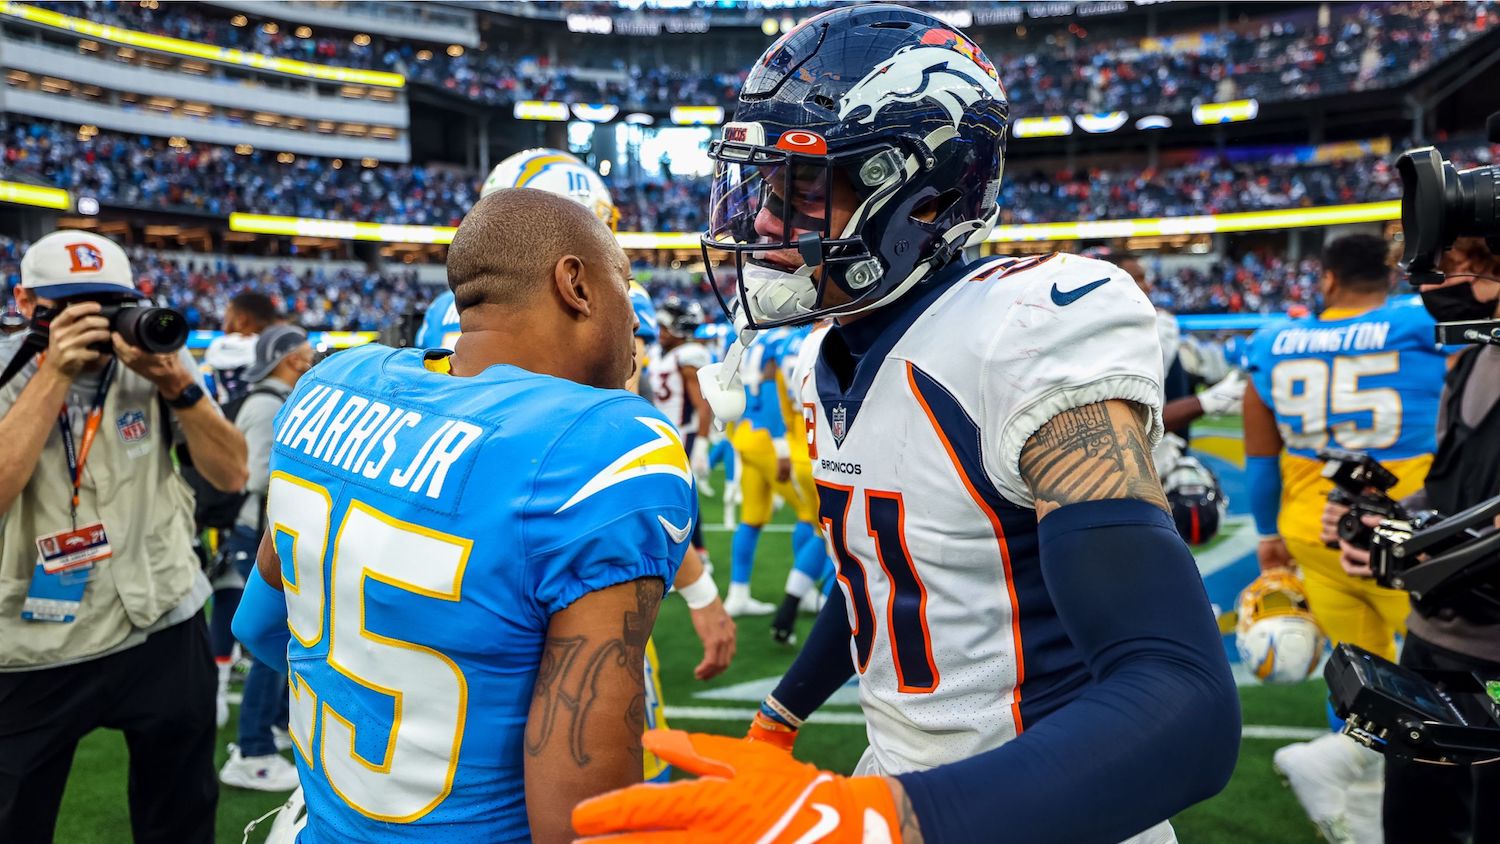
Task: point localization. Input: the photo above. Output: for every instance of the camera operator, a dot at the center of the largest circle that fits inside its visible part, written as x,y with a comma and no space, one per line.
1426,802
101,595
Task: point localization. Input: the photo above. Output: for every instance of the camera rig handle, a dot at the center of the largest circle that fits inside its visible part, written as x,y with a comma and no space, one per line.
1456,567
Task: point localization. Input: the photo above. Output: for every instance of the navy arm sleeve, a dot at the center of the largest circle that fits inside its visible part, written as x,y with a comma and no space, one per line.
822,666
1157,731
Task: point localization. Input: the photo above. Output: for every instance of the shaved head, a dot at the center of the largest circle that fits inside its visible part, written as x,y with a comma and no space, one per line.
508,246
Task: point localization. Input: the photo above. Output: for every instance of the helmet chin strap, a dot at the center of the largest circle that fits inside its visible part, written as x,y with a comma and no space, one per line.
720,382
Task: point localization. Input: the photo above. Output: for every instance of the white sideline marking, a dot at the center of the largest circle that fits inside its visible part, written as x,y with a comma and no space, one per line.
855,719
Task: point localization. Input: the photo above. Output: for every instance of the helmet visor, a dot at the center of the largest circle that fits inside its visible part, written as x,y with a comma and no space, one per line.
770,198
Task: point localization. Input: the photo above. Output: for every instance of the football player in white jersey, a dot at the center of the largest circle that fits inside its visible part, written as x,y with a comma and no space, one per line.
1036,654
674,378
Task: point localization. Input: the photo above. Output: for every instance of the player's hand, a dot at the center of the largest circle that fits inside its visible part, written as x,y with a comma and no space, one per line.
699,459
164,370
1225,396
1273,554
783,469
1330,525
716,631
748,792
72,332
1356,561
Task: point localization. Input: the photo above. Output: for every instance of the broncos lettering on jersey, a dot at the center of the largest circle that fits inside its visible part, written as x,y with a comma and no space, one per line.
956,641
428,528
1362,381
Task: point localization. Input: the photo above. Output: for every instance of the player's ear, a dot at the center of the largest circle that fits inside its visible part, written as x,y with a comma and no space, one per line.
572,283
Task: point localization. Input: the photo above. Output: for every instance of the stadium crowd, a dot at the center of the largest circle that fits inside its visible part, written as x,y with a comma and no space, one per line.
1364,46
139,171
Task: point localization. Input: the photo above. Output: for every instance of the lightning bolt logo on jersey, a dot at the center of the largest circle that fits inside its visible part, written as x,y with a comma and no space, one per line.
428,527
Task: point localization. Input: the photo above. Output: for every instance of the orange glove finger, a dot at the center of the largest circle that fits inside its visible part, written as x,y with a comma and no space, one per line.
777,735
647,806
697,753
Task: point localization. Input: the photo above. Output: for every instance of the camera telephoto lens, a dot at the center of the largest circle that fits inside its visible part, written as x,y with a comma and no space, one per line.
157,330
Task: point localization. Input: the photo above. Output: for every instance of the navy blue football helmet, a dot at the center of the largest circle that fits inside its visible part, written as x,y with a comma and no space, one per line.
864,155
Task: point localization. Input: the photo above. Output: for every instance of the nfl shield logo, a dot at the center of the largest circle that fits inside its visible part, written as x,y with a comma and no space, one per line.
839,423
132,426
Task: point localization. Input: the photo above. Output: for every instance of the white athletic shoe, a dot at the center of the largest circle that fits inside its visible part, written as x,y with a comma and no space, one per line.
1320,773
260,773
812,601
740,603
282,738
1365,801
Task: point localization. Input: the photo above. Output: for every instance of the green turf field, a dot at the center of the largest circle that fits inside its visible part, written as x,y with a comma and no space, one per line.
1254,808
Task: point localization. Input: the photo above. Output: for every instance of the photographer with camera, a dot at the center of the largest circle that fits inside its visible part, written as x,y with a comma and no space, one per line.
1426,802
101,595
1364,374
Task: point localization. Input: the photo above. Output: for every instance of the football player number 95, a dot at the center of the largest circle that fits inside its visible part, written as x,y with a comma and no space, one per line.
413,771
1312,390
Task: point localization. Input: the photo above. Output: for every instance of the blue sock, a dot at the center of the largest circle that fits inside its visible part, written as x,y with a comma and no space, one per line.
809,555
746,537
723,452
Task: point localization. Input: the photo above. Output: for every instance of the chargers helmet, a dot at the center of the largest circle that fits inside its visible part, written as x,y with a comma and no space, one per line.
1198,504
1276,635
876,107
680,317
554,171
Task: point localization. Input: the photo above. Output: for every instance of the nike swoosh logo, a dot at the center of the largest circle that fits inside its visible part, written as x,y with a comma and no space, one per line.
1059,298
678,534
828,821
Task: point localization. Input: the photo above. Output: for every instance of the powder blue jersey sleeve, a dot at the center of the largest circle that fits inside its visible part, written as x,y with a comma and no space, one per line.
601,514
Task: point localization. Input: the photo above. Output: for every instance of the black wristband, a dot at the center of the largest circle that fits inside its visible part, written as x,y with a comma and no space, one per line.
187,398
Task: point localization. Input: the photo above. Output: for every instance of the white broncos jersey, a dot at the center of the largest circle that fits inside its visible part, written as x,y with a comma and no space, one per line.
668,390
916,456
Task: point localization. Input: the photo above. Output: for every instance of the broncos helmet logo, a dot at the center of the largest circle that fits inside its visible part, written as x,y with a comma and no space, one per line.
947,77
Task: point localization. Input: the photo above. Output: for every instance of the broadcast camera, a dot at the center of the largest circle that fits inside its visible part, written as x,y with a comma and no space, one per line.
1359,483
1440,204
1411,713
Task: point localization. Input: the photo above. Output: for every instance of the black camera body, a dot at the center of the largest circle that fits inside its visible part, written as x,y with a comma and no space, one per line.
1359,483
152,329
1440,204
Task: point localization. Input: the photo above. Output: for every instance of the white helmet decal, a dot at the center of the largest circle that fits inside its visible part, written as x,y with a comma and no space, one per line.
945,76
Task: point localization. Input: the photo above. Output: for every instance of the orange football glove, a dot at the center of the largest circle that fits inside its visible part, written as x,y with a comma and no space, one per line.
772,732
748,791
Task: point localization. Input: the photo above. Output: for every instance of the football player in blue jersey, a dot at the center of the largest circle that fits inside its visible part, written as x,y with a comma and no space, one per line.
1363,375
1036,655
472,547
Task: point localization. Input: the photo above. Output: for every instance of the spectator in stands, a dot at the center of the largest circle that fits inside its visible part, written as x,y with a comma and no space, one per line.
282,355
115,638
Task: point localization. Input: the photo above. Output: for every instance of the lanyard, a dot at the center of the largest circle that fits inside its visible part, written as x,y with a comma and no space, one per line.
80,455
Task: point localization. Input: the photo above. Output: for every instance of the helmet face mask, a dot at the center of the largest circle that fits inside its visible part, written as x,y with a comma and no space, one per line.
864,155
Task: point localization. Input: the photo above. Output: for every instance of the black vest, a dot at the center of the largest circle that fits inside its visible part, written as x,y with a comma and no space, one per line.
1465,471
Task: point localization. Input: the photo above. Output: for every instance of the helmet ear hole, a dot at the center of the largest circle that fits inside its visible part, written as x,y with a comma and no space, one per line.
935,207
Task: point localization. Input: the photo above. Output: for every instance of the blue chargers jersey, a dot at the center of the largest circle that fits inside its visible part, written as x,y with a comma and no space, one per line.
428,527
440,325
1367,382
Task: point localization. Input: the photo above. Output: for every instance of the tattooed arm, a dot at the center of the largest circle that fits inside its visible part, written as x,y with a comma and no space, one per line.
583,734
1092,453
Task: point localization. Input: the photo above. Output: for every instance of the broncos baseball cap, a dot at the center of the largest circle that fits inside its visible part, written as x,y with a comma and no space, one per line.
273,344
75,263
